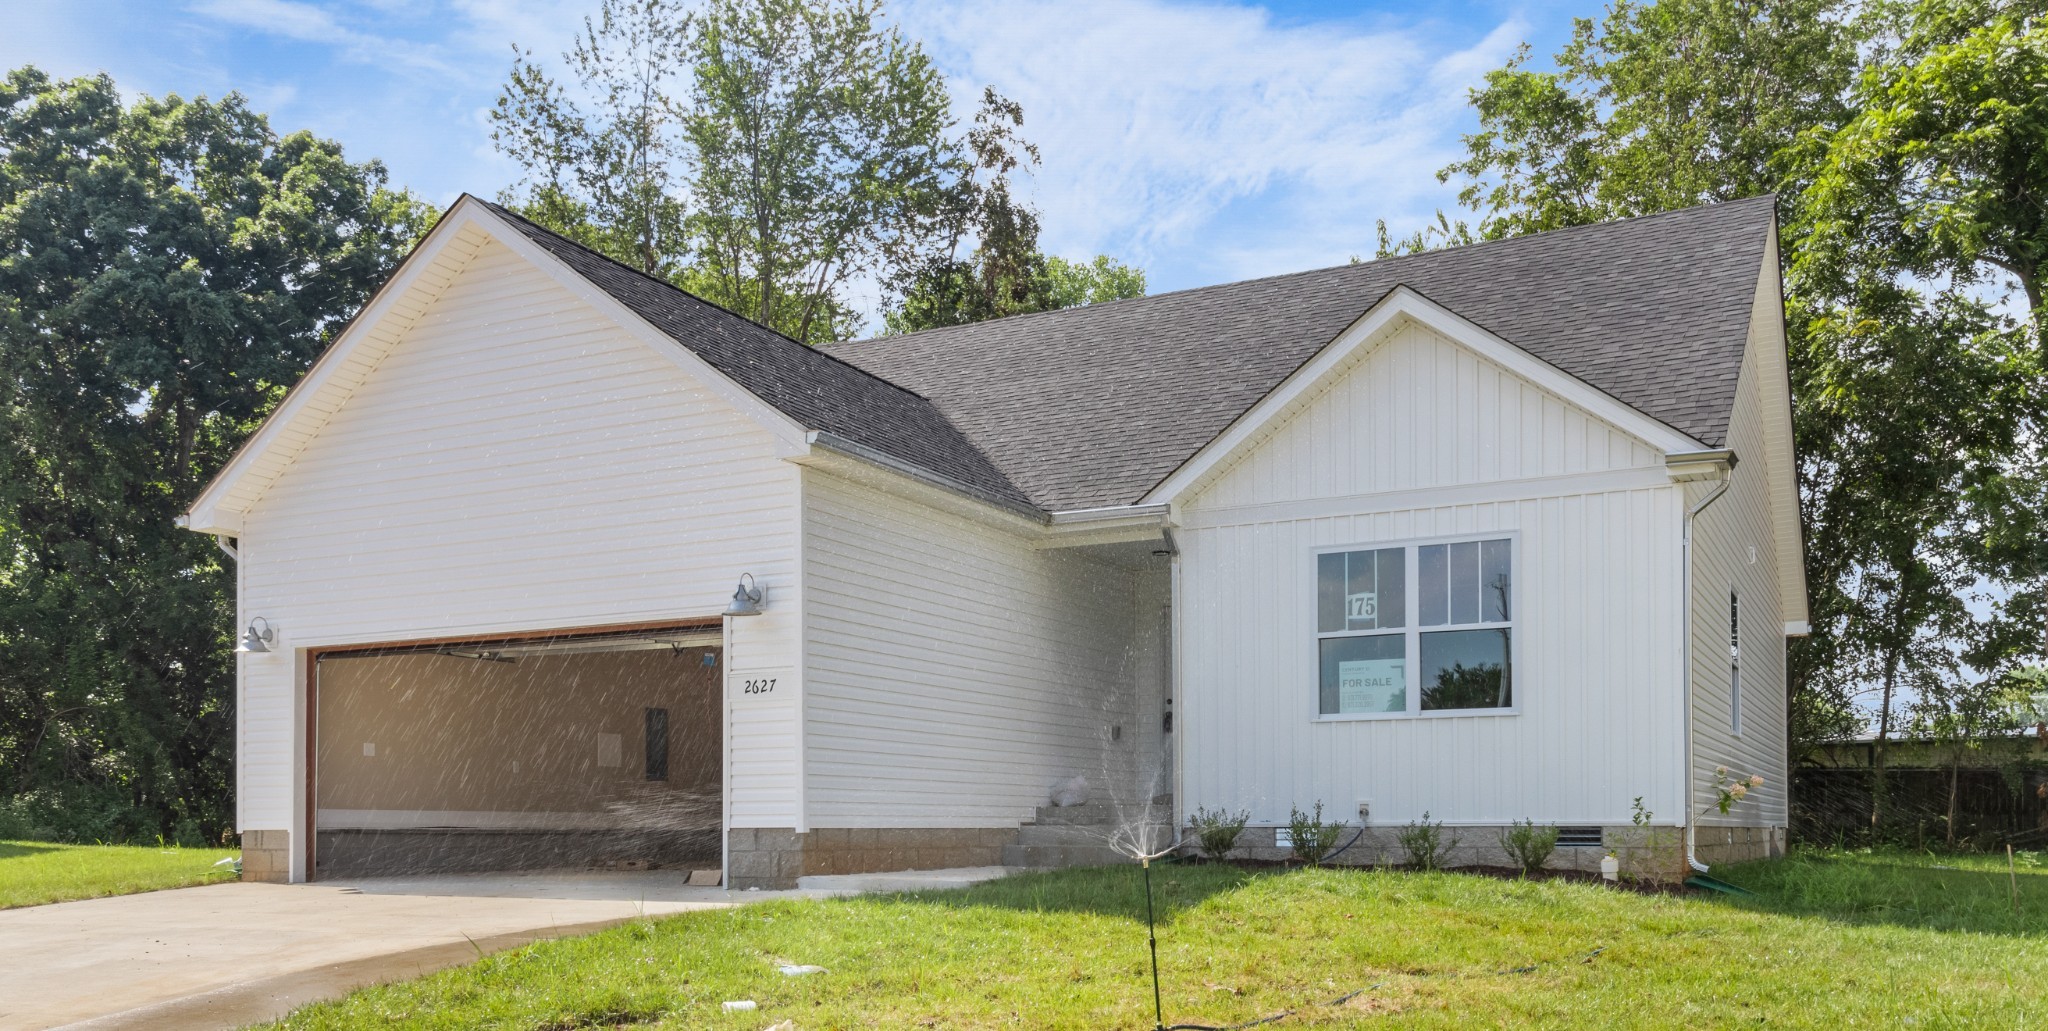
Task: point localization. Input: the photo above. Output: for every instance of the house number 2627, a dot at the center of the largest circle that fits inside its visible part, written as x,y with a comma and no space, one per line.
761,686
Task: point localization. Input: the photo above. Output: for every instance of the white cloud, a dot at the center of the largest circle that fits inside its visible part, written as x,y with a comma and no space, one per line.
1164,125
310,23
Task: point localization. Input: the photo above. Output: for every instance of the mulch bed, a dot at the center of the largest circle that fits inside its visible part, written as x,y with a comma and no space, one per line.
1640,887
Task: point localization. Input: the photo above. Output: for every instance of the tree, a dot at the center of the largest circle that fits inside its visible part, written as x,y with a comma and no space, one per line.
1939,179
603,173
823,156
1005,274
1901,139
167,268
1660,105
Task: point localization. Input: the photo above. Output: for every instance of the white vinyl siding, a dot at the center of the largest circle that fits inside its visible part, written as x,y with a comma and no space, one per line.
1431,414
516,462
1423,440
1734,554
955,673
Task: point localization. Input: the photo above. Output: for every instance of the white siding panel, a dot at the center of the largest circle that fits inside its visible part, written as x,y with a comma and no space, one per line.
953,673
1598,675
1451,416
517,462
1734,551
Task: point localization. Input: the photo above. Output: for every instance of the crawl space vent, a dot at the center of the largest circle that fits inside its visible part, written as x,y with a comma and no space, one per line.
1578,837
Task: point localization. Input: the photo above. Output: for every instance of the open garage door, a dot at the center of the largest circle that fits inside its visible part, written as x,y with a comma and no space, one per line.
567,752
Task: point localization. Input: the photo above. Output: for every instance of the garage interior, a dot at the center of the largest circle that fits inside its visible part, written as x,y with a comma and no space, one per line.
595,751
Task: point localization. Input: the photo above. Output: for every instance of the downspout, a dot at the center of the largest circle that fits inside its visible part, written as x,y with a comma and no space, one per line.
1691,855
227,549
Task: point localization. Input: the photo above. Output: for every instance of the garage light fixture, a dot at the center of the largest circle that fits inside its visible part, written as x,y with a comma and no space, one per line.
255,641
746,599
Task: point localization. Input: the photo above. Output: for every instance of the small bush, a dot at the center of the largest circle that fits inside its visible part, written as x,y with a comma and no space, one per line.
1313,839
1218,829
1425,844
1529,845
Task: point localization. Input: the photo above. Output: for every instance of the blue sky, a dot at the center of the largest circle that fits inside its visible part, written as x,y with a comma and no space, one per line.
1206,142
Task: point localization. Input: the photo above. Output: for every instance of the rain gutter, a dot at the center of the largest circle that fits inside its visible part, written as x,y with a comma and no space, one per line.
833,442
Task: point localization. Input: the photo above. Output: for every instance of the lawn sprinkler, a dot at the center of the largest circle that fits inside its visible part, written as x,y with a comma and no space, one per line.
1152,942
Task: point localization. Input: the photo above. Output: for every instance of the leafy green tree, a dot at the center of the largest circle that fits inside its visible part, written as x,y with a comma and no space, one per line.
167,268
1902,139
604,172
1006,274
1931,190
1659,105
1070,284
1939,179
823,155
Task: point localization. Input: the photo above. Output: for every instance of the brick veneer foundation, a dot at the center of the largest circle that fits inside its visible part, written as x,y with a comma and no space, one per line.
765,857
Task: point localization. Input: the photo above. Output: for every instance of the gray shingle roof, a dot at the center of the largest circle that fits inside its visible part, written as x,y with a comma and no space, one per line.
1094,406
804,383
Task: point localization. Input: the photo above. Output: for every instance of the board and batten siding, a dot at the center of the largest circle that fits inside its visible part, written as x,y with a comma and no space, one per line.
1734,551
515,462
1421,439
953,672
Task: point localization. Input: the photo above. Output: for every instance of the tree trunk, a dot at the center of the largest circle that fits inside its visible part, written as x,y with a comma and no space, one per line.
1878,790
1955,773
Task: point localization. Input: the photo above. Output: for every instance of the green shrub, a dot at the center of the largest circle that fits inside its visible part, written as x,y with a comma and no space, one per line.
1218,829
1313,839
1425,844
1528,845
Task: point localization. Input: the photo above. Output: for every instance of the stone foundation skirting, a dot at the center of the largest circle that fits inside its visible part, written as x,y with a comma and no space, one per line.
767,857
267,856
1737,844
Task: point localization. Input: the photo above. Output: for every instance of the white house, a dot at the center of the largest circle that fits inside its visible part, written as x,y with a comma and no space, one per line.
1494,533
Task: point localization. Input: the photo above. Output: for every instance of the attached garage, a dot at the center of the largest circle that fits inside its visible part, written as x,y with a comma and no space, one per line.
567,751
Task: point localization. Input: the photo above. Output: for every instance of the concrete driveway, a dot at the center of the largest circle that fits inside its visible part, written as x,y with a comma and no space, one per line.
226,955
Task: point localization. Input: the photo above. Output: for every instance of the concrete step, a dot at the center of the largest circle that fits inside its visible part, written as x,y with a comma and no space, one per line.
1076,834
1102,814
1046,856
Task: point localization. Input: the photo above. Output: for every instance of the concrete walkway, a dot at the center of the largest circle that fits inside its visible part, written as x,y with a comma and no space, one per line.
227,955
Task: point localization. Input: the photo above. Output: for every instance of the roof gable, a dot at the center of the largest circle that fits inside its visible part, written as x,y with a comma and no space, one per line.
1092,407
816,389
1401,307
781,383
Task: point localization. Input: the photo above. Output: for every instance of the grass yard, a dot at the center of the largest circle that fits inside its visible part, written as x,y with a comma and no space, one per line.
35,872
1831,941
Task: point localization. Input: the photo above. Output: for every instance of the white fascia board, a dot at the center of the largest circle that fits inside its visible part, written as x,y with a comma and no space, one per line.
1797,628
1774,385
1097,518
789,433
1405,304
206,515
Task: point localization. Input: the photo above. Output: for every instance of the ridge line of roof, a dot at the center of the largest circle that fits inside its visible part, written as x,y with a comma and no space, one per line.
1275,277
500,209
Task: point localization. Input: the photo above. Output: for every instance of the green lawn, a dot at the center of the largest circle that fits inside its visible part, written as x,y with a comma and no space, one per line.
1844,941
35,872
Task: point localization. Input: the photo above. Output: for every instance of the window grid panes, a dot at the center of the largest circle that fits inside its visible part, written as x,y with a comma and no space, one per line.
1457,654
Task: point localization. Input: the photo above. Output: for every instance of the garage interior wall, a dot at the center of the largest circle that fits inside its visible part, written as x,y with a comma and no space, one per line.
429,744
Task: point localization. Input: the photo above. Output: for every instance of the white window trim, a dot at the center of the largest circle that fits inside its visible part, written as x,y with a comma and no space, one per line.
1412,632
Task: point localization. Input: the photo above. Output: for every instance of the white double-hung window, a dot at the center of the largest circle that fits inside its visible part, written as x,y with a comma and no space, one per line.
1409,629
